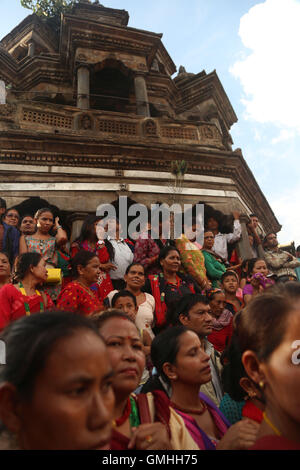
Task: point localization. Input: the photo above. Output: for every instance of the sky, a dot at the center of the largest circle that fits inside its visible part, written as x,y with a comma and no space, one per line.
254,48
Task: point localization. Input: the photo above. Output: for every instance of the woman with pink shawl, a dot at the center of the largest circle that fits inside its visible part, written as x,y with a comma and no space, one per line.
180,361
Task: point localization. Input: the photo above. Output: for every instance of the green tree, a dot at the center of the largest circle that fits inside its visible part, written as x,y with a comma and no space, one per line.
49,8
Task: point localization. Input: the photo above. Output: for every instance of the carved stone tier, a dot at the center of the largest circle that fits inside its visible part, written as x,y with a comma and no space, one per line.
104,125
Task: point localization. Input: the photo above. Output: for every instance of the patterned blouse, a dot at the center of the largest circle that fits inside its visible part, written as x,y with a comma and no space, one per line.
45,247
74,297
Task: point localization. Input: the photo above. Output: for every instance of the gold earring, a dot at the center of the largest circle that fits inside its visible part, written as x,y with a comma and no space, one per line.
261,384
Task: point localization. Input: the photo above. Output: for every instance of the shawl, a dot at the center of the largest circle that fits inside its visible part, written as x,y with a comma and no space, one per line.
223,320
159,410
198,435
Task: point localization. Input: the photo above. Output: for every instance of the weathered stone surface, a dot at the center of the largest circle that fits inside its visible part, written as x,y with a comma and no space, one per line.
93,112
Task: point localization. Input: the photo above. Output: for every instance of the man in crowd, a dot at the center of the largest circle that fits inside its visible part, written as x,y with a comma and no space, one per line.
280,262
27,226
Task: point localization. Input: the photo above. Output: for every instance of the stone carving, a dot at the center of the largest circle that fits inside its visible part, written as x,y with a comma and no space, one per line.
119,173
7,111
86,122
150,128
123,187
207,131
141,66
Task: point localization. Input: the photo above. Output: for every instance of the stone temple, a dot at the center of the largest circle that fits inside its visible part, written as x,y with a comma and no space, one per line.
92,109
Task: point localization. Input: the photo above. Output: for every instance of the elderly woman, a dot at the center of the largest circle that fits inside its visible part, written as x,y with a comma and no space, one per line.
55,389
23,298
222,320
168,286
141,422
77,296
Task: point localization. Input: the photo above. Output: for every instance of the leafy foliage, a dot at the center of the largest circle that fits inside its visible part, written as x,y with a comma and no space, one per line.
49,8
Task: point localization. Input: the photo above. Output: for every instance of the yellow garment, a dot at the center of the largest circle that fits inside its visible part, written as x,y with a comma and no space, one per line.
180,437
192,260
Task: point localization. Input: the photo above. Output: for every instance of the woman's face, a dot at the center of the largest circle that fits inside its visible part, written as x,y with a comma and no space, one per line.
125,351
171,263
4,266
12,218
40,271
135,277
72,404
217,304
282,373
91,271
192,363
45,222
209,240
260,267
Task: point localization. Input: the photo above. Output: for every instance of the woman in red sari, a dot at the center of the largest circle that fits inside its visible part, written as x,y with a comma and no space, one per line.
77,296
91,239
23,298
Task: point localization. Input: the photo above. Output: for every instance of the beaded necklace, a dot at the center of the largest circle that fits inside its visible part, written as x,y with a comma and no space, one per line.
190,411
26,304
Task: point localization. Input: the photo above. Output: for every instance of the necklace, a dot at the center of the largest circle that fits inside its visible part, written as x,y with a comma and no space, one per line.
190,411
118,422
26,304
272,426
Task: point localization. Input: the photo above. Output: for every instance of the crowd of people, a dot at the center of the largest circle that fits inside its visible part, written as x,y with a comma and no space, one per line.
147,344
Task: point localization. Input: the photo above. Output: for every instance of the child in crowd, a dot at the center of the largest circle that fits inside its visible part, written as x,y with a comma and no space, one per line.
233,293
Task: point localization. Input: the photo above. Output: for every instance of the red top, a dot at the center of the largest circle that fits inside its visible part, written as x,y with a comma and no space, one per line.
12,304
75,297
221,338
275,443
